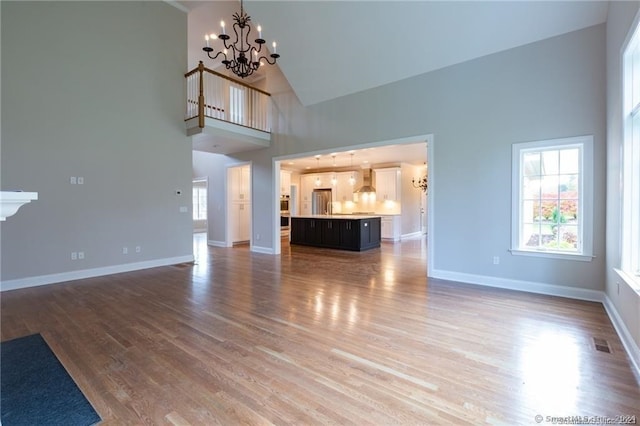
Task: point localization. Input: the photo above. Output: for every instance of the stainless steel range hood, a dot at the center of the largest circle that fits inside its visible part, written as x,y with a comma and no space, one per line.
367,185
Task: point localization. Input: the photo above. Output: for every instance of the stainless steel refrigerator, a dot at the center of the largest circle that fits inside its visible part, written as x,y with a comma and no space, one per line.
321,201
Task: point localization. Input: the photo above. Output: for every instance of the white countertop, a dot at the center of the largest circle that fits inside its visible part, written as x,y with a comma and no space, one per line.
337,216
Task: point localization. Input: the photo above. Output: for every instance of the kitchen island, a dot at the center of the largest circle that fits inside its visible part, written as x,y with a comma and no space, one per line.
344,232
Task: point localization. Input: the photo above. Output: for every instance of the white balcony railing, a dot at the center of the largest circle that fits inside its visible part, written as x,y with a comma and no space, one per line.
211,94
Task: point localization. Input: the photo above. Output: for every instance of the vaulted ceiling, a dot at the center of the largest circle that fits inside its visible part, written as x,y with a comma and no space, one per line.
334,48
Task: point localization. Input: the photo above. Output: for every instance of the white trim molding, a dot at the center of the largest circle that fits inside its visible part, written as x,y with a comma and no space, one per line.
90,273
216,243
519,285
553,290
264,250
411,235
625,336
584,145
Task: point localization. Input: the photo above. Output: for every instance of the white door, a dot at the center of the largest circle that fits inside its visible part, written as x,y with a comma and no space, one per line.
238,204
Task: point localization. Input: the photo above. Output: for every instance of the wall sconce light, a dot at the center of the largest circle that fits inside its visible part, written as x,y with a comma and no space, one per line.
420,183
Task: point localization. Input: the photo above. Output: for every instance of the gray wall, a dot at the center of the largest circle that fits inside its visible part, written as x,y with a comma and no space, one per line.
476,111
214,167
627,302
94,89
410,220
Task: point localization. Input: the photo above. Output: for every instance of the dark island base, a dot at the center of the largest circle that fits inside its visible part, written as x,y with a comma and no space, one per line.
337,233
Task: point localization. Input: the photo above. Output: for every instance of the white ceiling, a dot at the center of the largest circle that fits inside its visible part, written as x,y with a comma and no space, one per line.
334,48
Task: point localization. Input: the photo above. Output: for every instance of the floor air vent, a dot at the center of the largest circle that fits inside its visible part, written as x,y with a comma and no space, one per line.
601,345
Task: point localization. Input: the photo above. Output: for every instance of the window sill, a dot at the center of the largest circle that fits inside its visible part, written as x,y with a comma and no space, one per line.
632,281
552,255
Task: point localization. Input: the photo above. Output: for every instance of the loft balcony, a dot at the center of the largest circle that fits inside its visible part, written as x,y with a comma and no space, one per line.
224,116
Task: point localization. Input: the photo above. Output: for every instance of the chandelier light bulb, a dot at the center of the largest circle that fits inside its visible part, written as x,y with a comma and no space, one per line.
237,53
206,38
352,180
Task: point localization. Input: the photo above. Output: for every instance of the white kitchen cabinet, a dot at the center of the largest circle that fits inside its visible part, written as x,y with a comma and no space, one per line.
240,183
285,182
390,227
240,222
307,184
388,184
343,190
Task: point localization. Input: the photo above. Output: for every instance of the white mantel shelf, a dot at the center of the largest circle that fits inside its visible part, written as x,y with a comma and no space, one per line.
11,201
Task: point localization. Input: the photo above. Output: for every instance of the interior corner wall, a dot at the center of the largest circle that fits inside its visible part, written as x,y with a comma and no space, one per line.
214,166
476,110
410,196
627,301
94,90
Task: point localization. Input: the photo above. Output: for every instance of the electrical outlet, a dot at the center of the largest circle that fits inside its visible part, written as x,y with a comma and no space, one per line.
73,180
125,250
81,255
183,209
138,249
496,260
74,255
257,236
80,180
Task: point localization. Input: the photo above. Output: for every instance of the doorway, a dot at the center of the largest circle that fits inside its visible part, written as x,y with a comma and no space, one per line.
418,223
200,210
238,205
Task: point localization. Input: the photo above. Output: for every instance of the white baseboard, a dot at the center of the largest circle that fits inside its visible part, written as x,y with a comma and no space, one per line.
625,336
215,243
411,235
527,286
554,290
89,273
264,250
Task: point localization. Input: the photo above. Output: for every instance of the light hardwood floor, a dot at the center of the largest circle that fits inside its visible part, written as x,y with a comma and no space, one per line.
323,337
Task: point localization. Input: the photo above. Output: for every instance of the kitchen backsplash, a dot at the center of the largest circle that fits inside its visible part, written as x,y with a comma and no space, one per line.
375,206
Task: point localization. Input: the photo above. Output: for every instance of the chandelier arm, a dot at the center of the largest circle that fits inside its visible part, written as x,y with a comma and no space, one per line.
227,46
241,56
267,59
245,39
218,54
240,39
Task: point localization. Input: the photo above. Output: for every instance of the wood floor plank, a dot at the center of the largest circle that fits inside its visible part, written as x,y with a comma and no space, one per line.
317,336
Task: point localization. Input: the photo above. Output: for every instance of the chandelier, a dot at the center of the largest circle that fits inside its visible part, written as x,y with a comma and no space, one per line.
420,183
240,56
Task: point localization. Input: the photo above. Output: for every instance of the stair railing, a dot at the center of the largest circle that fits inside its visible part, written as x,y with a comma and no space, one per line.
214,95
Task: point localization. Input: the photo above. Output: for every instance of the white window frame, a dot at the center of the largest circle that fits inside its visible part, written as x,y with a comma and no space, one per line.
199,191
630,219
585,197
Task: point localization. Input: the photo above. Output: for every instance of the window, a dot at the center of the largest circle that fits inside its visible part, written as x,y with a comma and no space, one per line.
552,198
199,200
630,264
